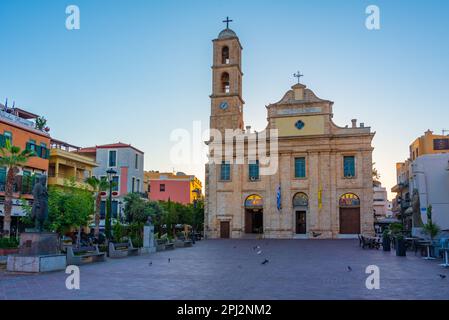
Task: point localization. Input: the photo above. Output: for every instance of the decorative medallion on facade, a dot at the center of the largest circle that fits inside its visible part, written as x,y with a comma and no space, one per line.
299,124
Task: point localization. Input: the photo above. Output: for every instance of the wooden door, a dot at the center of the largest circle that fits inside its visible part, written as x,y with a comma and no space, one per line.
248,221
349,220
225,230
301,224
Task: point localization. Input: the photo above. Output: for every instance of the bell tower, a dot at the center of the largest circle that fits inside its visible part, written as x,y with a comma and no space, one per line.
226,99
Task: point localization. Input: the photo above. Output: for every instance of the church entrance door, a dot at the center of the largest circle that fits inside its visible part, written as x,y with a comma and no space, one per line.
254,221
349,220
349,214
225,230
301,224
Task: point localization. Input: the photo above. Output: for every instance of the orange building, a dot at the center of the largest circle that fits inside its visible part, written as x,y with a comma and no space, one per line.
19,127
179,187
429,143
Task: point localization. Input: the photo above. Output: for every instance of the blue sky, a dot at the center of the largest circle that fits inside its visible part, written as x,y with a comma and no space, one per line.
138,69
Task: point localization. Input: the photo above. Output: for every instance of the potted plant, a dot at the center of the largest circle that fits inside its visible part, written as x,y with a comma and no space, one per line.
401,248
8,246
386,240
430,228
396,230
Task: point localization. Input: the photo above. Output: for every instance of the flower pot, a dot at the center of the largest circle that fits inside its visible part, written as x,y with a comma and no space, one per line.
5,252
401,248
386,243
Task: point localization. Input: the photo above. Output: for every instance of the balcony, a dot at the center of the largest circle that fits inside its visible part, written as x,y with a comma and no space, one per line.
21,186
62,180
22,118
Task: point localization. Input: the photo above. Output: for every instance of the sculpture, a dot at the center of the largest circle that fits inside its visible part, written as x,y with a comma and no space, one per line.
39,212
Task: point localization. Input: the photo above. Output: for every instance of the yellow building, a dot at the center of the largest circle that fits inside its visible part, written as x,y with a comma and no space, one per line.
429,143
65,165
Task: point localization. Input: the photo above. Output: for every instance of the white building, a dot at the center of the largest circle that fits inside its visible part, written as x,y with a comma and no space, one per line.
380,201
429,174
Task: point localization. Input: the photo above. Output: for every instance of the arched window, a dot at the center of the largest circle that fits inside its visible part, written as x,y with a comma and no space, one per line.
225,87
225,55
300,200
254,201
349,200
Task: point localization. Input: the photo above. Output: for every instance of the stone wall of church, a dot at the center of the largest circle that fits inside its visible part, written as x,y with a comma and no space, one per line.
324,163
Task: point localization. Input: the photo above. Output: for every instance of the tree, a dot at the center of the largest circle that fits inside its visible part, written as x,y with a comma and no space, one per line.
98,186
170,216
430,228
375,173
12,158
40,124
68,207
136,209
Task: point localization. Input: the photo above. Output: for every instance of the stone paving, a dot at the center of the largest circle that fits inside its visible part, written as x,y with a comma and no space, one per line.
232,269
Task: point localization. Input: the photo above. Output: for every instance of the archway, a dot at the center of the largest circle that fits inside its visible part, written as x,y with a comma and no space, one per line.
349,204
254,214
300,209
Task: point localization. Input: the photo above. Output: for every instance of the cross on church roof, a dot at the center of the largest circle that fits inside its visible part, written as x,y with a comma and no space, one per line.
227,22
298,75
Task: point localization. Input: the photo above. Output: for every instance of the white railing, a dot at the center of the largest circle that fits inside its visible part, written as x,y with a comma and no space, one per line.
16,119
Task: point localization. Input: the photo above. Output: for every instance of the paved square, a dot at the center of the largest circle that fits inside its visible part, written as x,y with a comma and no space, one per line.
232,269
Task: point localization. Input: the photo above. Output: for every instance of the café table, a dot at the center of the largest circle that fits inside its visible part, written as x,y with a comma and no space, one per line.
427,244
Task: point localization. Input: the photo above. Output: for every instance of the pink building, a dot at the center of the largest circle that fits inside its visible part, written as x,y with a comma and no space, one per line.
177,187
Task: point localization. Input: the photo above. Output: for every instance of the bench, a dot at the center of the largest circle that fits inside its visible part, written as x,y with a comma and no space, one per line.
120,250
182,242
164,244
370,242
84,255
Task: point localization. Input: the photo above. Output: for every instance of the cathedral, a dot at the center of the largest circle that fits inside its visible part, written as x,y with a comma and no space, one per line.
322,188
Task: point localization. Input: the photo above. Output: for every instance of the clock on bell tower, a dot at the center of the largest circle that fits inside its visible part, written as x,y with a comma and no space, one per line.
226,99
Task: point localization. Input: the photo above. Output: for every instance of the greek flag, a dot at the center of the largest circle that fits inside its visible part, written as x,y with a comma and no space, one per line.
278,197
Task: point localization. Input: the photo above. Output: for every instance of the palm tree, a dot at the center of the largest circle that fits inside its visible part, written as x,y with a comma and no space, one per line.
12,158
98,186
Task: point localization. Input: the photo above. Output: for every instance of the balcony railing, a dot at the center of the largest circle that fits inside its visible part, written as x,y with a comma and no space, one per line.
22,188
67,177
16,119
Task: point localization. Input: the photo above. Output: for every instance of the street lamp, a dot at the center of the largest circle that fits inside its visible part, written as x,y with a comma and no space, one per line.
111,173
195,206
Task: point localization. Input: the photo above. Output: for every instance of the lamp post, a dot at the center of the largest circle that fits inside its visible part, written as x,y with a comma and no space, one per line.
111,172
120,215
195,206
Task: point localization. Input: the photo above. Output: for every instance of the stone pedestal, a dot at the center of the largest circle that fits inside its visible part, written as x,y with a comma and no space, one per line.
39,243
148,239
38,252
36,263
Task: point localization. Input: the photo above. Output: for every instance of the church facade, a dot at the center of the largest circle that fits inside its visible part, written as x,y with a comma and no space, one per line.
322,187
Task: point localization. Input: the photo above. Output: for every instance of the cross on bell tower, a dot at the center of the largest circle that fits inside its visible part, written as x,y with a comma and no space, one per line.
298,75
227,22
